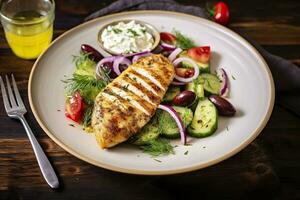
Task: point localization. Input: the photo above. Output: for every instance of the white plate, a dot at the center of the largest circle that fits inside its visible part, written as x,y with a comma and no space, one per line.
252,93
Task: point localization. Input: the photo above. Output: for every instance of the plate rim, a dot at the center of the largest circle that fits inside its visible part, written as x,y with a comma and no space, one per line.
234,151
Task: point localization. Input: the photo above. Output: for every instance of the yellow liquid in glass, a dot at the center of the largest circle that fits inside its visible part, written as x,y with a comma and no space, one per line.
29,41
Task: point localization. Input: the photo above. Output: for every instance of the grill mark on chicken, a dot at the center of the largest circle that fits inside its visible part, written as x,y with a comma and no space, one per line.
154,98
123,101
130,94
145,82
150,76
131,87
157,76
123,115
131,99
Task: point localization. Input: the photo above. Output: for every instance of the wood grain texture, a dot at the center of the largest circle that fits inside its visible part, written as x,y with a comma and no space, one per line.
268,168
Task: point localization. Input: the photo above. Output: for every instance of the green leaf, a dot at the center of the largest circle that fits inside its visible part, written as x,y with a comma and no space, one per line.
84,65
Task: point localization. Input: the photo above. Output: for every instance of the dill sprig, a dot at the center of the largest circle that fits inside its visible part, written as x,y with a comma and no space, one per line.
82,83
117,30
158,147
87,117
183,41
133,32
81,58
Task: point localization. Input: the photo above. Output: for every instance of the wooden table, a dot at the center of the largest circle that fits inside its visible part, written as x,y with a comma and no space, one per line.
269,167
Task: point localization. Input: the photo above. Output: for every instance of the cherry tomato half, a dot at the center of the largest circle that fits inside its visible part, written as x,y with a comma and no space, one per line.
74,107
200,54
167,37
184,72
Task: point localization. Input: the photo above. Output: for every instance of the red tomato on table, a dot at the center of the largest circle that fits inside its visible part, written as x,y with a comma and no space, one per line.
220,13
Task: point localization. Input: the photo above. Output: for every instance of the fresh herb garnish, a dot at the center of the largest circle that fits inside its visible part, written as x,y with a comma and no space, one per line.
84,78
186,153
233,77
183,41
125,87
116,30
143,30
87,116
83,84
157,160
72,125
133,32
158,147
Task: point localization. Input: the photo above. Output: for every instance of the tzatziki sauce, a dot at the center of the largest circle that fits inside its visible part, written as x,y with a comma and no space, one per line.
124,38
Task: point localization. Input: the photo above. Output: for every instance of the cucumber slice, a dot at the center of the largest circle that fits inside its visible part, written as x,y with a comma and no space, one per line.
148,133
211,83
167,124
205,121
203,67
196,87
171,93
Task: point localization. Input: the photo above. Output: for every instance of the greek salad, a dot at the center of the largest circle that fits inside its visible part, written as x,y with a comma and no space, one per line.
190,107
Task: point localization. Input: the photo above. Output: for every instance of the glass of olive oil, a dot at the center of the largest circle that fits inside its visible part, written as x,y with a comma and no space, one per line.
28,25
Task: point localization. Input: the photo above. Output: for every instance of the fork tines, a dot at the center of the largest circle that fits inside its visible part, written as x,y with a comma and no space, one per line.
13,100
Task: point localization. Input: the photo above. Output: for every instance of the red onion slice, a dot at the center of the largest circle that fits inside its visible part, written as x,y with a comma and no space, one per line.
193,63
136,57
177,119
109,59
224,89
99,73
120,60
174,54
99,68
168,47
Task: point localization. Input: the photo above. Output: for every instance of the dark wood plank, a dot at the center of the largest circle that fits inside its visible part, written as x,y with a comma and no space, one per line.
253,169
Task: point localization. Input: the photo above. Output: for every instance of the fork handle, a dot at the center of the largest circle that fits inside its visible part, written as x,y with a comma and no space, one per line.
45,166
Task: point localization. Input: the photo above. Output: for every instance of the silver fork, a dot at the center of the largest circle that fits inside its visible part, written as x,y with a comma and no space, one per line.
15,108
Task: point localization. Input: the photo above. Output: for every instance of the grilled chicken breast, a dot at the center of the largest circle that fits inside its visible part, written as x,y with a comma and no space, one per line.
130,100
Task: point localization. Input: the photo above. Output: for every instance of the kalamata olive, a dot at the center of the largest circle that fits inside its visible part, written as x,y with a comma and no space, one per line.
93,53
184,98
224,107
158,49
